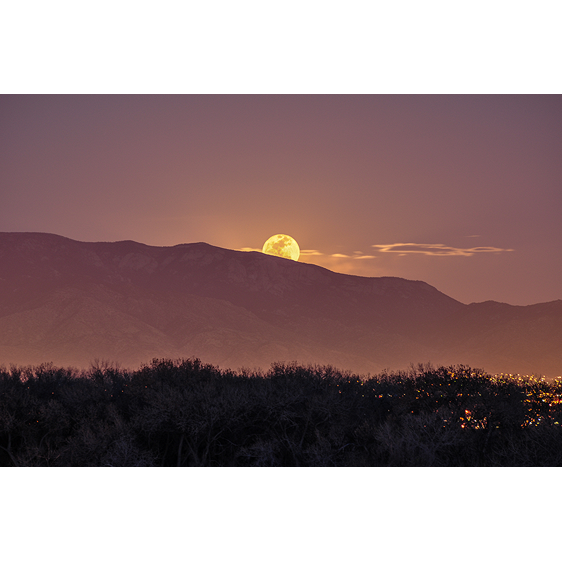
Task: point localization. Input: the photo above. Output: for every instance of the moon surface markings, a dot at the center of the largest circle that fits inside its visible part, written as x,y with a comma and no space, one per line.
283,246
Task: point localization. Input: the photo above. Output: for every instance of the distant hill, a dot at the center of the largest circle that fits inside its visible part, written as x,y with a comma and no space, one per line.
72,302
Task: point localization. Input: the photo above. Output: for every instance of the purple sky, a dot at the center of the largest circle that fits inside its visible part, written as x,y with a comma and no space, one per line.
463,192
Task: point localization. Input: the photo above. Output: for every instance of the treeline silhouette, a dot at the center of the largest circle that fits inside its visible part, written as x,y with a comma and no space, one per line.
187,413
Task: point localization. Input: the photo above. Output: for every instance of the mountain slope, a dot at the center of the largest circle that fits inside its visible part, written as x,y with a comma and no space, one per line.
71,302
506,338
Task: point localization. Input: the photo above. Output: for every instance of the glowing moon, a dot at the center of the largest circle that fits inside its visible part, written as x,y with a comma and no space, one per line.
283,246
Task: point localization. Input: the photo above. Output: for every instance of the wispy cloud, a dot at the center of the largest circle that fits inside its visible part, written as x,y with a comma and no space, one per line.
358,256
302,253
436,249
248,249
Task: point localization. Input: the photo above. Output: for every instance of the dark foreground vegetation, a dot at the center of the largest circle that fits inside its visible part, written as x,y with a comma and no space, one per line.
185,413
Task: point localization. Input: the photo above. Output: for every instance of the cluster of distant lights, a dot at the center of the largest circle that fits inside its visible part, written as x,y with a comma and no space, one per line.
534,396
552,399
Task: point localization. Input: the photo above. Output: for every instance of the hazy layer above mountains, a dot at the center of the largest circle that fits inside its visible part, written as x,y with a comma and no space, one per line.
73,302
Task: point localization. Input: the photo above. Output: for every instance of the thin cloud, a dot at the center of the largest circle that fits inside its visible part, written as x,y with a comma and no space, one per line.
248,249
436,249
302,252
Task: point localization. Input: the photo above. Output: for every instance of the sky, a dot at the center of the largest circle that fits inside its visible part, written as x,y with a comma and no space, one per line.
463,192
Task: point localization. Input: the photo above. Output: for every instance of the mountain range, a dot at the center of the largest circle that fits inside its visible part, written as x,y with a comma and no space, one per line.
73,303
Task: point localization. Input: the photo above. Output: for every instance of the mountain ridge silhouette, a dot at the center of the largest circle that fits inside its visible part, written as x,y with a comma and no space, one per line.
72,302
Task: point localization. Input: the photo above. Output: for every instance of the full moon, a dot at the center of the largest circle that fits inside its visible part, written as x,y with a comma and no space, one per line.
283,246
